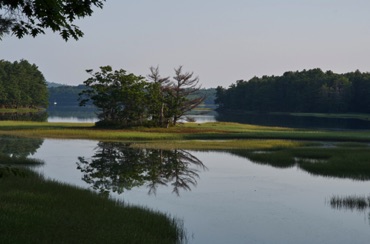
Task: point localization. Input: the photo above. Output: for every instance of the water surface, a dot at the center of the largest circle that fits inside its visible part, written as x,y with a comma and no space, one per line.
228,198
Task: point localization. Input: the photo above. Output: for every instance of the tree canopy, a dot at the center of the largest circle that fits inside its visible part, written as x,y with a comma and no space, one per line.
125,99
301,91
22,85
33,17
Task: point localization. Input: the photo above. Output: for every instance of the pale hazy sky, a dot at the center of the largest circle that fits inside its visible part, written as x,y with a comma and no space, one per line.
220,41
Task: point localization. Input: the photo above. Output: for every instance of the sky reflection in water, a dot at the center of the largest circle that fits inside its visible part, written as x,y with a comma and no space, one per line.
233,199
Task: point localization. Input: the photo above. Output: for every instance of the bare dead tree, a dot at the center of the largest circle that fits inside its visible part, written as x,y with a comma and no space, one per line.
181,92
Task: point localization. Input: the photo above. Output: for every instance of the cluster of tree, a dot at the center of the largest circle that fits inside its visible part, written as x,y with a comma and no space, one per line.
304,91
22,85
117,167
124,99
33,17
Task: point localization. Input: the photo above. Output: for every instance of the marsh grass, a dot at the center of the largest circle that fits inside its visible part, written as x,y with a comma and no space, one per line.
34,210
358,203
351,144
337,116
20,110
278,159
187,131
219,144
352,163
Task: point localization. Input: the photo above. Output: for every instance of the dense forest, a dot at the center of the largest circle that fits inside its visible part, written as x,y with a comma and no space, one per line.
22,85
305,91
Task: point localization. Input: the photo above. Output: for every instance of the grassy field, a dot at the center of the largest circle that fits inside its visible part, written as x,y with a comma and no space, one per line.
34,210
193,133
338,116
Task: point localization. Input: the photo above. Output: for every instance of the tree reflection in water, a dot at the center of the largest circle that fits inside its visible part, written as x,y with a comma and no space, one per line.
15,147
116,167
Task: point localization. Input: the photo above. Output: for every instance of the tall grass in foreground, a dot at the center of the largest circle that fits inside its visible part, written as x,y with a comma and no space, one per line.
33,210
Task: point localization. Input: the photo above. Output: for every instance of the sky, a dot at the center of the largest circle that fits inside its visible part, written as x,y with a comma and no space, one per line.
221,41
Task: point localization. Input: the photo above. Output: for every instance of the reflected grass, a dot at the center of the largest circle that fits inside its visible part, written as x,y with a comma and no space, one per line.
34,210
358,203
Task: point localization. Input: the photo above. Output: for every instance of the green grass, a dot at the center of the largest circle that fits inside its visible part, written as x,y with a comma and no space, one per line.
253,144
33,210
352,163
331,115
188,131
20,110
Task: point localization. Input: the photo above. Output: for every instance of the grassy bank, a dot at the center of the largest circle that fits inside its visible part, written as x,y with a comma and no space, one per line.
188,131
330,115
20,110
350,160
33,210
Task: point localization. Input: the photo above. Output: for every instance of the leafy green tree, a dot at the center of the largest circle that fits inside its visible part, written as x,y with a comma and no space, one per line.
129,100
158,97
22,85
120,97
33,17
301,91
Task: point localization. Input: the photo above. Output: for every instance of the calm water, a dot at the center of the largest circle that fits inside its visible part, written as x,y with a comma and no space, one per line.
285,120
222,198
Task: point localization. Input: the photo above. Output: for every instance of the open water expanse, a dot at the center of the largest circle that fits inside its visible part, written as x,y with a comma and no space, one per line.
220,197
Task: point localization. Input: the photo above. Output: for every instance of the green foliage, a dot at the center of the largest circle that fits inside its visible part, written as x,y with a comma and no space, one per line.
126,100
33,17
22,85
308,91
120,97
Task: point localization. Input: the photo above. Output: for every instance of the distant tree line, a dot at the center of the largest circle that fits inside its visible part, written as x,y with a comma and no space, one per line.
64,95
305,91
125,99
22,85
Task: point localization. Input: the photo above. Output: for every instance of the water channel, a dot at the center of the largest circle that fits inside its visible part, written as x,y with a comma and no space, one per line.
220,197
